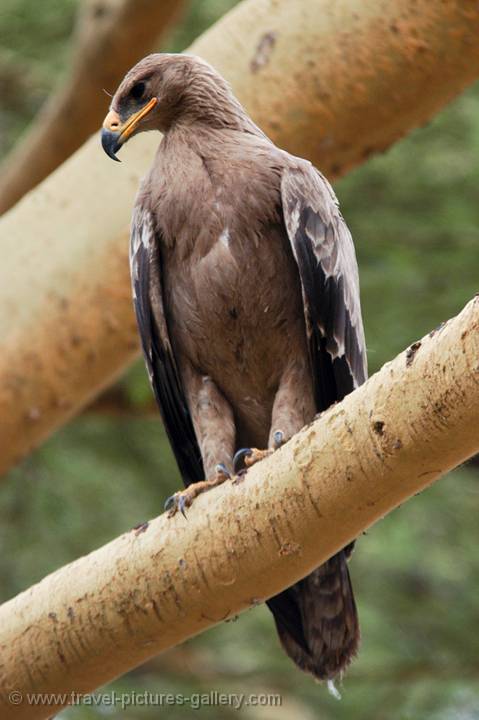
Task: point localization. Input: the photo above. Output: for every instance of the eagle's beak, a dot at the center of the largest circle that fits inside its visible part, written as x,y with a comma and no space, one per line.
114,134
110,142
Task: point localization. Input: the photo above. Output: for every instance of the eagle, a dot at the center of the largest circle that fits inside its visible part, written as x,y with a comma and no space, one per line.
246,292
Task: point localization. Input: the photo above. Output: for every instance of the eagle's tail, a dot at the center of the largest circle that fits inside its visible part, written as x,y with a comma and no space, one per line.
317,620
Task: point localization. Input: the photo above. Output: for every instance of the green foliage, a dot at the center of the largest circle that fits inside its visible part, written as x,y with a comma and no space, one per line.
34,43
414,215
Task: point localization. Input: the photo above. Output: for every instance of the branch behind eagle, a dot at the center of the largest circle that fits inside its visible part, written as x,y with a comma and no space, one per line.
247,299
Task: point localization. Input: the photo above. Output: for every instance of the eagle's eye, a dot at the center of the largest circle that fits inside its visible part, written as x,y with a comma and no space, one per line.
137,91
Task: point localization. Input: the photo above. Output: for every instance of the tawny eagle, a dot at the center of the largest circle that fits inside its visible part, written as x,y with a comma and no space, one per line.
246,293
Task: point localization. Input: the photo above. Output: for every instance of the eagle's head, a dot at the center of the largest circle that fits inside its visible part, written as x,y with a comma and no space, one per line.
163,90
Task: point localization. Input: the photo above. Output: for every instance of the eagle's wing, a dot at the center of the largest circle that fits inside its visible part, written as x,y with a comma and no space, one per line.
324,251
145,265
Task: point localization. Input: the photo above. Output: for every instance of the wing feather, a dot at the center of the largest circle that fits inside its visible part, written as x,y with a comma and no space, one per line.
324,251
145,265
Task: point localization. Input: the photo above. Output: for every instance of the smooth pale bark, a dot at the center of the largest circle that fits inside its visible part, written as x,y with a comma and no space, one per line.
110,37
155,586
332,81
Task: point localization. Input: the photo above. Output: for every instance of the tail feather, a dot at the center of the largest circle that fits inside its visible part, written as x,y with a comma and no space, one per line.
317,620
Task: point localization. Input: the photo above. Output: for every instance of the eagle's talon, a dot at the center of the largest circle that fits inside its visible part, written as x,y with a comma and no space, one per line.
181,505
246,457
169,502
278,439
184,498
177,502
221,469
239,459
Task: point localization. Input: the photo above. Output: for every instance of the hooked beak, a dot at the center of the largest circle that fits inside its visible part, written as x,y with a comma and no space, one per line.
114,134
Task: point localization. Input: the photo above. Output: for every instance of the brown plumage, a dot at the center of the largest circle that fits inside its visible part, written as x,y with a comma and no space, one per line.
247,299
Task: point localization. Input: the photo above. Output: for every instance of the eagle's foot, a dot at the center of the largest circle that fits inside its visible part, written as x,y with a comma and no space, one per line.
184,498
246,457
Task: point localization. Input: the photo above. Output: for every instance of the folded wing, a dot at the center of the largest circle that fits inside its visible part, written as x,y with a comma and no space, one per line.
145,264
324,251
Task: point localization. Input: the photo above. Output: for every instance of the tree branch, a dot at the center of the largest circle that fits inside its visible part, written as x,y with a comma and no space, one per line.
155,586
110,37
325,80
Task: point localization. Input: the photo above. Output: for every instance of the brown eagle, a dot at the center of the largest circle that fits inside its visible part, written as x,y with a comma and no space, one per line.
246,293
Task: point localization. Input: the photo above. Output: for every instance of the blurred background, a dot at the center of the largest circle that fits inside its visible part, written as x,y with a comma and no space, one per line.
414,214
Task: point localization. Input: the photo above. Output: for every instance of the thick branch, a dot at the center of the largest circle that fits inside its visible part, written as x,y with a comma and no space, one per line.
111,36
332,81
159,584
